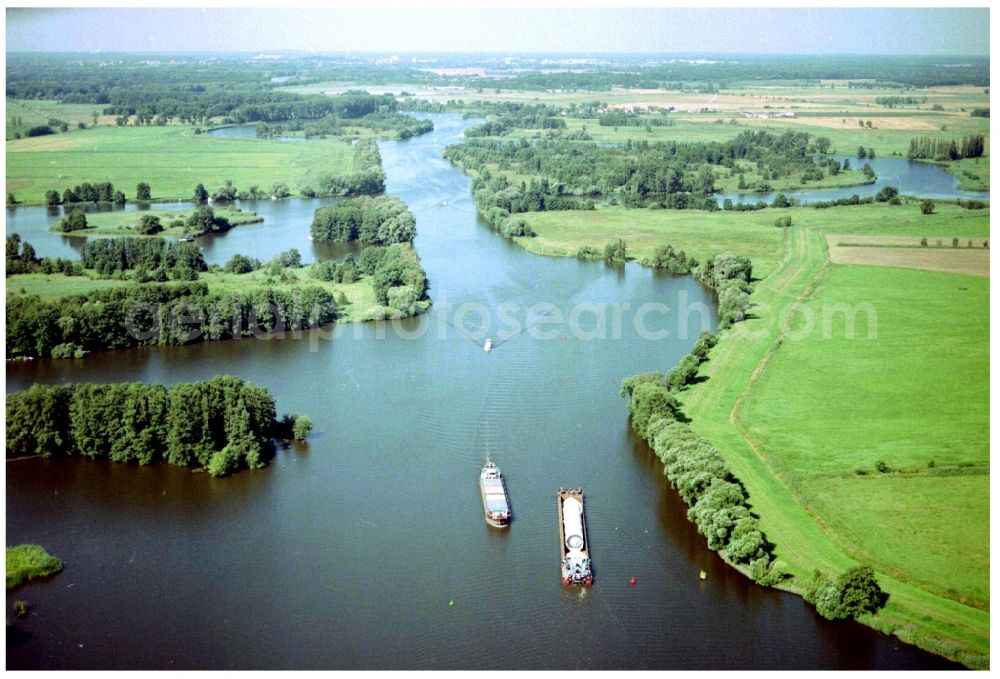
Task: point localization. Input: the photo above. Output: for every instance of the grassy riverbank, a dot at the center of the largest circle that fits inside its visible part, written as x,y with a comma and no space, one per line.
171,159
26,562
804,420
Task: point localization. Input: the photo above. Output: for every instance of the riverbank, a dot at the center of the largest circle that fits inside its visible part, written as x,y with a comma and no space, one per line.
815,488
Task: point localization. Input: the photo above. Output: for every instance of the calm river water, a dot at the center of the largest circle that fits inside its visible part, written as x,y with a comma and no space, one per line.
367,547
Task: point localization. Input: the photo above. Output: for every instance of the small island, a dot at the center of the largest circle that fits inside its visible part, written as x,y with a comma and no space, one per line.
180,224
27,562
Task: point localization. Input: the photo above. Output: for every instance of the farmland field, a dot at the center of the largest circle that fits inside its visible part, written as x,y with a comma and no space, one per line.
171,159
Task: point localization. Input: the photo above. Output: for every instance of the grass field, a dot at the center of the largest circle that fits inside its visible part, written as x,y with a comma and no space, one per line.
360,294
703,234
54,286
33,112
798,417
127,223
171,159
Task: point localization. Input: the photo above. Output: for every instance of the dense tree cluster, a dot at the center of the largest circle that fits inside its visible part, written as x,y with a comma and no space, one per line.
680,174
729,276
148,258
220,425
671,261
179,313
929,148
380,220
505,116
497,198
366,177
101,192
853,593
397,277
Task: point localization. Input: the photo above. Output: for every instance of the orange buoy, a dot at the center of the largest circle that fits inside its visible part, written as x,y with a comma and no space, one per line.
632,581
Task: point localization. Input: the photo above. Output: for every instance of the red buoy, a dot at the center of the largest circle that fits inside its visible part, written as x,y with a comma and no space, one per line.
632,581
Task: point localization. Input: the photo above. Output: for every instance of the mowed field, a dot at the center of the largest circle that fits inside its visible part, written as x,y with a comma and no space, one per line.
970,257
909,389
171,159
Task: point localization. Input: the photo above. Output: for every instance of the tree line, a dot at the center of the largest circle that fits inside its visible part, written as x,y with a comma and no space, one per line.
157,313
929,148
380,220
112,256
220,425
100,192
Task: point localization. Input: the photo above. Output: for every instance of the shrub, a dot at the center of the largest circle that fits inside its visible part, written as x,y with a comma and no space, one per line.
616,252
301,428
927,207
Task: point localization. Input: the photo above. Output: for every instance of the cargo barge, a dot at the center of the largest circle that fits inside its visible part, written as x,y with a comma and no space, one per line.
495,504
574,545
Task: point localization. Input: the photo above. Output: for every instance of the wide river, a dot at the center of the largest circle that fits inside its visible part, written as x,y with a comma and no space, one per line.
367,547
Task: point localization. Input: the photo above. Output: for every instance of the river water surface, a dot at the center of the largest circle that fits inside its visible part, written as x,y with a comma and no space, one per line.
367,547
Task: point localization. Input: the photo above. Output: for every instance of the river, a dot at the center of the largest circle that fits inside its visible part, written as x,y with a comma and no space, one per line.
367,548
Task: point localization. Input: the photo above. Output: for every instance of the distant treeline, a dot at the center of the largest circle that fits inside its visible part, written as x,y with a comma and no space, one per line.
381,220
157,313
680,173
876,71
894,101
512,115
622,119
403,125
221,425
929,148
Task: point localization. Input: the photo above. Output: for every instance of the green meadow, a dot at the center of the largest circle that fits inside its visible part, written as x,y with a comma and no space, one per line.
171,159
703,234
807,419
360,294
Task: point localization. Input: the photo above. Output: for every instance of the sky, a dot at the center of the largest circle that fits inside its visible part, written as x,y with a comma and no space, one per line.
655,30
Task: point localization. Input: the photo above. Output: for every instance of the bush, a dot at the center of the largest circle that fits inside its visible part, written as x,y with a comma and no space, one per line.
516,227
587,252
783,222
855,592
301,428
616,252
927,207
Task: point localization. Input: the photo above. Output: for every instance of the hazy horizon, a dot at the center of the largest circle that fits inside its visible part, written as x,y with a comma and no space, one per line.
742,31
